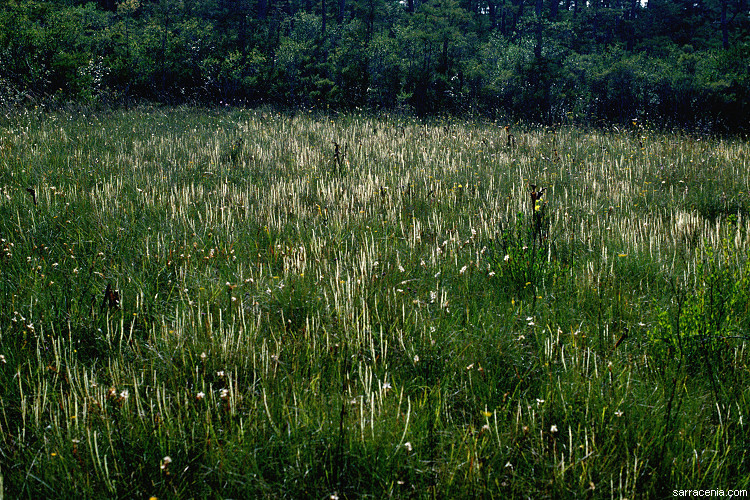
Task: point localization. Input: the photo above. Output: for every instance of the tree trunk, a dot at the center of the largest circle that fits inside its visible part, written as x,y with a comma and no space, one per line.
724,25
539,29
164,53
108,5
371,21
323,18
554,7
515,16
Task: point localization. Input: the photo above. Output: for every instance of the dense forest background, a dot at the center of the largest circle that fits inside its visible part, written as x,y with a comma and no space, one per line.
672,62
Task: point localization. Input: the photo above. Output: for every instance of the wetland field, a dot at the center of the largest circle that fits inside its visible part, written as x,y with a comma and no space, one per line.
233,303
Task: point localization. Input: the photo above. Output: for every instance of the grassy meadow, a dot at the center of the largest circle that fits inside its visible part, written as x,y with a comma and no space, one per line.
202,303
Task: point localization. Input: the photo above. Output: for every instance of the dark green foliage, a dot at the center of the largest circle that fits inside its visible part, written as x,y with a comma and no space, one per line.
703,327
521,262
666,62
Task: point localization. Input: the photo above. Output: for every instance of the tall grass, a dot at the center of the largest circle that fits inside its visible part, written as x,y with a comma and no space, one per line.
319,306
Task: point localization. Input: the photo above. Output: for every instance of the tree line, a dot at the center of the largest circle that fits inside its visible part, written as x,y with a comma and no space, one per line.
680,62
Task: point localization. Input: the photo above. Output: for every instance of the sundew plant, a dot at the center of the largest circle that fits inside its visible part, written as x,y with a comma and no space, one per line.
212,303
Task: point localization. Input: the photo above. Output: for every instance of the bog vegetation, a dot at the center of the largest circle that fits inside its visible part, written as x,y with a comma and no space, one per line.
251,304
